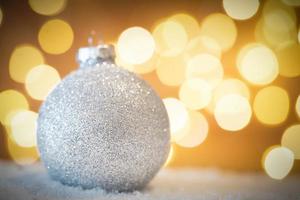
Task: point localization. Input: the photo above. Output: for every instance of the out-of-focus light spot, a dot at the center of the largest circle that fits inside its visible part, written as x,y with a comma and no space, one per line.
198,131
170,157
273,5
233,112
206,67
291,140
23,128
285,27
171,70
229,86
22,60
297,106
221,28
56,36
291,2
11,100
21,155
257,64
1,16
271,105
47,7
143,68
202,44
195,93
170,38
278,162
136,45
288,56
189,23
41,80
178,117
241,10
299,36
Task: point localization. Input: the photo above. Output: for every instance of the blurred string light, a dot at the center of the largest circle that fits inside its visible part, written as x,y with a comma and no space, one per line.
278,162
21,155
220,27
11,100
22,60
178,117
291,139
55,36
280,32
170,38
171,70
297,106
170,156
257,64
41,80
200,45
228,86
241,10
233,112
135,45
288,55
197,133
206,67
271,105
195,93
23,128
189,23
47,7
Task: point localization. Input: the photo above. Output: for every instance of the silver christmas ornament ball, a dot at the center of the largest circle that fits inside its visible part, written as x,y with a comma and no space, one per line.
103,126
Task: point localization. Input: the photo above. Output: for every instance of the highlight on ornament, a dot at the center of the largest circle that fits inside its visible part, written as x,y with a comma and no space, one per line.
149,100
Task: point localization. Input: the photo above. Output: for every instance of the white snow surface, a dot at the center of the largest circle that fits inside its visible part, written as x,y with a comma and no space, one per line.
33,183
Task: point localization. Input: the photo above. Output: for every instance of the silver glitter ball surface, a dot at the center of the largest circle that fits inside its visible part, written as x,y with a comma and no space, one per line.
105,127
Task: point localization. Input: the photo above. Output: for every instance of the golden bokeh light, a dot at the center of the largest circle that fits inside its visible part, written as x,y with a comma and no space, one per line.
170,38
257,64
197,133
178,117
22,60
23,128
170,156
56,36
228,86
1,16
291,139
241,10
195,93
232,112
41,80
143,68
135,45
271,105
207,67
200,45
47,7
288,55
21,155
11,100
285,27
171,70
291,2
189,23
220,27
297,106
278,162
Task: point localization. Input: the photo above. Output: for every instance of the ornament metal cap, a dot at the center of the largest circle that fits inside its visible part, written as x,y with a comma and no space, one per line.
91,55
